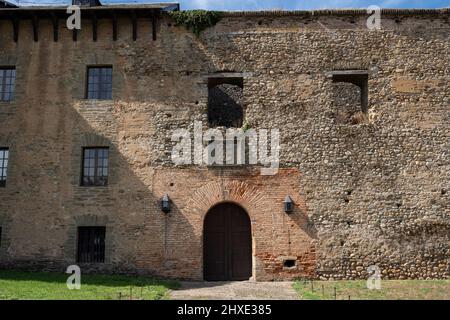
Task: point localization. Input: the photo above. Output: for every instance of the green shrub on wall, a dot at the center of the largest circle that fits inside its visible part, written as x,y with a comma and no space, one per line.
196,20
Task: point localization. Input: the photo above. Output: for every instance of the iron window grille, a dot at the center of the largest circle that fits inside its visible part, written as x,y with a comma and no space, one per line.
91,244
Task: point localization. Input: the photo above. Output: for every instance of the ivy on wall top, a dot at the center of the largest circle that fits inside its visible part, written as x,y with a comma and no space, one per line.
196,20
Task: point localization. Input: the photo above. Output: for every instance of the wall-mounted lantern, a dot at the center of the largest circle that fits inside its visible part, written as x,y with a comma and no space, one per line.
165,204
288,205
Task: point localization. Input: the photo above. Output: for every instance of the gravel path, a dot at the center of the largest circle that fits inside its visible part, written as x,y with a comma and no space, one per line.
246,290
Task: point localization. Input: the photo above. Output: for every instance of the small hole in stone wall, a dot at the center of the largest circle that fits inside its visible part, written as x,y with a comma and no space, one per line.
290,263
347,200
196,102
168,115
349,223
399,205
171,184
342,243
259,22
397,20
352,21
349,192
169,25
443,192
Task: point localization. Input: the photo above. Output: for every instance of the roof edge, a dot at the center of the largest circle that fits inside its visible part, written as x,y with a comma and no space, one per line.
169,6
332,12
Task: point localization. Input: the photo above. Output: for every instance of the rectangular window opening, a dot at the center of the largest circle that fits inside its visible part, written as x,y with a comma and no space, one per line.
91,244
351,96
7,83
225,102
95,166
99,83
4,156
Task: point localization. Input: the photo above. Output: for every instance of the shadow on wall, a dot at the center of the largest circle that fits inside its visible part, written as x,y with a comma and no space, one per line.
139,235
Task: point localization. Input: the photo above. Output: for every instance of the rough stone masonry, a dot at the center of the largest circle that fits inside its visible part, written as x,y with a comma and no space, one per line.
370,178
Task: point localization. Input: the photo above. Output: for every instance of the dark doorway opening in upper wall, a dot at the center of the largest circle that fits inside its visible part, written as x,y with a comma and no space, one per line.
225,102
359,78
350,96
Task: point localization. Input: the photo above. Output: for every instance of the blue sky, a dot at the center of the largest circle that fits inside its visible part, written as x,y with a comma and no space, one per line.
270,4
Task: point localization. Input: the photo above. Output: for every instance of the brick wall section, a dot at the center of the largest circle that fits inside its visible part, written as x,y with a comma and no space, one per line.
372,193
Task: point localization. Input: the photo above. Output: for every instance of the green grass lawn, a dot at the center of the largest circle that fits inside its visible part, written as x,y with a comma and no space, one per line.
390,290
52,286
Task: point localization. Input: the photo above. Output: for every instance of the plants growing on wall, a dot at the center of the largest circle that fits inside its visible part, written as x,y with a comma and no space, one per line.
196,20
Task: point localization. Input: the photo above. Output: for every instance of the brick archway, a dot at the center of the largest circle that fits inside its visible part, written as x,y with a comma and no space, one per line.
239,192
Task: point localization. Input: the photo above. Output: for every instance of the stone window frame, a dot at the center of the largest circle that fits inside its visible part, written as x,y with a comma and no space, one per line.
99,219
357,77
91,140
285,259
235,78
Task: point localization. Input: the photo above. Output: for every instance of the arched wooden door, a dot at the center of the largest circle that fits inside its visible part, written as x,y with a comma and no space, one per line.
227,244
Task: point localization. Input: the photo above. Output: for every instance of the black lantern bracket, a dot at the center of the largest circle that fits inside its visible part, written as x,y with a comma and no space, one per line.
165,203
288,205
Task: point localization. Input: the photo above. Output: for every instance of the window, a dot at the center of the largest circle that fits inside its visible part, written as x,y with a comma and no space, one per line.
91,244
7,80
289,263
225,102
4,154
350,96
99,83
95,167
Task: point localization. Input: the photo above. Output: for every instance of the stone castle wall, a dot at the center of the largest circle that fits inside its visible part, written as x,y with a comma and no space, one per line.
372,192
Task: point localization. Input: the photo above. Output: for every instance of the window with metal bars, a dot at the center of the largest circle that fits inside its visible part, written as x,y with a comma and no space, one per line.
7,83
95,166
91,244
4,155
99,83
